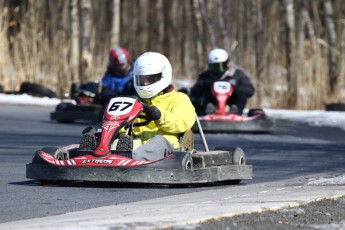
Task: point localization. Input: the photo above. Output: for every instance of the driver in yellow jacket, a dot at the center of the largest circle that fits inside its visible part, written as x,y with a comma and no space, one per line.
171,112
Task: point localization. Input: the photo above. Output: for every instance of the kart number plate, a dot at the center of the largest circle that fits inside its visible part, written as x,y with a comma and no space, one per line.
120,106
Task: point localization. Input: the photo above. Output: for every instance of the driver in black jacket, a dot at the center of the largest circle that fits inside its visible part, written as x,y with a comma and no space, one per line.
221,69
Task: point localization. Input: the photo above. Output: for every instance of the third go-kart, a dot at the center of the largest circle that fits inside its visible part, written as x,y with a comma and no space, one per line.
98,158
222,120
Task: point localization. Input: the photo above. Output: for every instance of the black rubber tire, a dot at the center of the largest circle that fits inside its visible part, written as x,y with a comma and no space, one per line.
238,156
125,143
335,107
50,150
61,108
36,90
187,163
253,112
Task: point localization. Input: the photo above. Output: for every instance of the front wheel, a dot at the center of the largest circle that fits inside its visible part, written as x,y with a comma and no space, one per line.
53,151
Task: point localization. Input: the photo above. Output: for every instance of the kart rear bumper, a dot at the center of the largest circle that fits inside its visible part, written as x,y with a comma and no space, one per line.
255,126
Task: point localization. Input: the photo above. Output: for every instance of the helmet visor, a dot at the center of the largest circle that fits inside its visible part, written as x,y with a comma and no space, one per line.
143,80
218,67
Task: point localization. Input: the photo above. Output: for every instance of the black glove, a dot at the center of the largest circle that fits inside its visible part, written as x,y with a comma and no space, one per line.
152,112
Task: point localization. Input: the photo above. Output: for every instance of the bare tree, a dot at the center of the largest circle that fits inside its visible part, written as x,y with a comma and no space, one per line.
197,23
252,31
7,71
209,26
74,38
291,75
224,31
115,25
331,37
85,31
259,48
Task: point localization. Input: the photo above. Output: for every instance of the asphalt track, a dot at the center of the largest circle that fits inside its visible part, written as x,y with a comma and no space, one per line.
284,163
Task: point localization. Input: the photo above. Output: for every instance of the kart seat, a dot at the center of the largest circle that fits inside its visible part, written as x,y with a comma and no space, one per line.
186,141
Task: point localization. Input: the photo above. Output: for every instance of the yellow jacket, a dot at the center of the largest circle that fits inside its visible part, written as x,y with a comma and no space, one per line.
177,116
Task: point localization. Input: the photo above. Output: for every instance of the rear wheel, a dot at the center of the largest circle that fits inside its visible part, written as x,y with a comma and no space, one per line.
253,112
238,158
61,108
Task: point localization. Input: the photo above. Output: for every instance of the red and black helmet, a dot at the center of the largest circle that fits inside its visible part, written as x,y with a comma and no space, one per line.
118,57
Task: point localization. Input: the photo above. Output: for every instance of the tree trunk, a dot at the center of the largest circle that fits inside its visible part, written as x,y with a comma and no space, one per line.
115,24
331,37
208,24
259,49
224,32
85,29
7,72
197,22
74,36
291,74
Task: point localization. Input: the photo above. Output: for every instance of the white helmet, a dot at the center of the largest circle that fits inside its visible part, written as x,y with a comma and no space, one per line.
152,73
217,60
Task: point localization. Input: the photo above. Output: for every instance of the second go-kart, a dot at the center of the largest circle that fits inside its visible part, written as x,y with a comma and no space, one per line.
81,104
100,159
222,120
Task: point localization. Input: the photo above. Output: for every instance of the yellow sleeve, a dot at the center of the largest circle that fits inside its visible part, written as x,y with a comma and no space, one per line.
178,116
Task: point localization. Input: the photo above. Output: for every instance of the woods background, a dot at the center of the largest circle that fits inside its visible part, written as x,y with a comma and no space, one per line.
293,50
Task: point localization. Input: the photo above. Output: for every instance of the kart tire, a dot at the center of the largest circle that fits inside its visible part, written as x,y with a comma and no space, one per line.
185,160
36,90
62,107
238,156
335,107
253,112
53,151
187,163
50,150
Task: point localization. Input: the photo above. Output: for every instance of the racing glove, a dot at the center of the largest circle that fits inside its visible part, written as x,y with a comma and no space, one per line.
152,112
233,82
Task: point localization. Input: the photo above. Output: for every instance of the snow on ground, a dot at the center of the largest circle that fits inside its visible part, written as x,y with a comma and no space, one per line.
24,99
314,117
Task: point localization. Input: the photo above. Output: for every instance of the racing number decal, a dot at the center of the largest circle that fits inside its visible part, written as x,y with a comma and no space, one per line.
120,105
221,86
116,105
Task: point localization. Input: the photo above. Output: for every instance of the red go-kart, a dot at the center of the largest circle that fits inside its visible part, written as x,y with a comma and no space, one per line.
225,120
99,159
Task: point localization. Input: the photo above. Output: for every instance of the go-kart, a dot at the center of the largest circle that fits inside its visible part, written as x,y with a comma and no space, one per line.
81,104
222,119
99,159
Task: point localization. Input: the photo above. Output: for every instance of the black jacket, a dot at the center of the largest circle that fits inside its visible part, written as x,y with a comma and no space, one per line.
204,83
